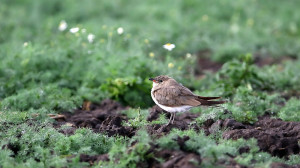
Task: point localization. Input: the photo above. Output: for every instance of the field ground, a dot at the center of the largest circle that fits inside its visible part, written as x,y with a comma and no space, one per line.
74,88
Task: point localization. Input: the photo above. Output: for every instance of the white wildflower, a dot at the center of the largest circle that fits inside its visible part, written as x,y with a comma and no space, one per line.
91,37
188,55
234,28
120,30
62,25
169,46
74,29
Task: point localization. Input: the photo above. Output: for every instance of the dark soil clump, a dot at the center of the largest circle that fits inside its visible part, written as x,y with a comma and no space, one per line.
204,63
92,159
172,158
261,60
104,117
282,165
175,158
275,136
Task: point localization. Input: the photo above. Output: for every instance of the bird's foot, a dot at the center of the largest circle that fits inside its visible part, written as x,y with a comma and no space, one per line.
161,129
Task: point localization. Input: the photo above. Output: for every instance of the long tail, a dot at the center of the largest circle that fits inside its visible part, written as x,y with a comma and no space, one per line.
208,98
207,101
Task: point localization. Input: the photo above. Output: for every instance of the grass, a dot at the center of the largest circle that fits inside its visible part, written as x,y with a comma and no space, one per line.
44,70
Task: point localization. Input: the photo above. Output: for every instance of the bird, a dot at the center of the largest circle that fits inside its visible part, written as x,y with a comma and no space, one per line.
173,97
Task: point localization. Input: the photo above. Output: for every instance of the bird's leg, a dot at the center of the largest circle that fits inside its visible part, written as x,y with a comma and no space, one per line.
173,117
163,126
170,119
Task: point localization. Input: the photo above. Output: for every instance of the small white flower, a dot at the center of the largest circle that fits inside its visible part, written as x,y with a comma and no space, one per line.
188,55
89,52
91,37
169,46
83,30
120,30
62,25
74,30
234,28
25,44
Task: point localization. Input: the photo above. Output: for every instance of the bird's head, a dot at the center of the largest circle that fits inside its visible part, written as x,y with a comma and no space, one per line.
159,80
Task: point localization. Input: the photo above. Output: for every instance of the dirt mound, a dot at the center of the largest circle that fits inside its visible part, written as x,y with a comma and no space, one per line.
282,165
275,136
172,158
104,117
93,159
181,121
175,158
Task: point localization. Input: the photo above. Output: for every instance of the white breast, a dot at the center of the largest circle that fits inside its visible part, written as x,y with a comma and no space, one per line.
171,109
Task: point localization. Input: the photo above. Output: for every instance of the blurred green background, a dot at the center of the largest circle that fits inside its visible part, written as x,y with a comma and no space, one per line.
35,54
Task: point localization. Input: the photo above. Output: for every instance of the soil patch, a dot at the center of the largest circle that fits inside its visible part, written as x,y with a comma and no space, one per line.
261,60
275,136
104,117
171,158
92,159
175,158
204,63
282,165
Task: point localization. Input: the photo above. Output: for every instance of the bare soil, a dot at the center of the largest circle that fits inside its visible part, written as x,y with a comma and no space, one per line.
104,117
205,63
277,137
262,60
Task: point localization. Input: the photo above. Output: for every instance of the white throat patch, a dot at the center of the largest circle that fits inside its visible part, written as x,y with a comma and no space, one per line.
154,84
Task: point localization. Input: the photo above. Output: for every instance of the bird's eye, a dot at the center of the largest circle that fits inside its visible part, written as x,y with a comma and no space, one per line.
160,81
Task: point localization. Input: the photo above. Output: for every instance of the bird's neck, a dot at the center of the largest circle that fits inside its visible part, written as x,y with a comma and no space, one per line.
154,85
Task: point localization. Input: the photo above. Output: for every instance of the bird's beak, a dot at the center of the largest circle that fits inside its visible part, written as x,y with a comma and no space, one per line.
152,79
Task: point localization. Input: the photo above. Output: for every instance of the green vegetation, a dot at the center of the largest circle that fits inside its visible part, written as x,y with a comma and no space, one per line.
41,145
46,70
291,110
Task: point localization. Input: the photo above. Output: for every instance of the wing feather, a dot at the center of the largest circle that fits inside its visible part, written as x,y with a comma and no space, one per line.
173,96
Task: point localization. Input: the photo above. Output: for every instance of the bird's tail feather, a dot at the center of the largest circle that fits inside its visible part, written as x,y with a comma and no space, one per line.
208,98
210,103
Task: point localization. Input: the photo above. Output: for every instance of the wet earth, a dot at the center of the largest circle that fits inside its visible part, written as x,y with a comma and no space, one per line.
277,137
205,63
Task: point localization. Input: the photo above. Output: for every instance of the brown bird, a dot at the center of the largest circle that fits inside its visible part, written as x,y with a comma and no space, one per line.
173,97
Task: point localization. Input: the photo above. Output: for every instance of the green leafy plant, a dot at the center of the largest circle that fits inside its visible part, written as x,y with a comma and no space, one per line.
291,110
131,153
48,146
137,118
247,104
49,97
